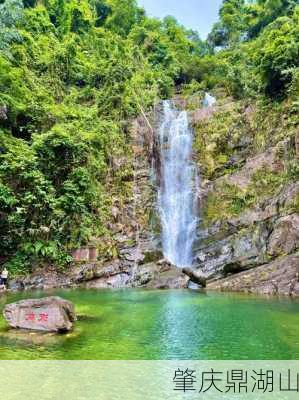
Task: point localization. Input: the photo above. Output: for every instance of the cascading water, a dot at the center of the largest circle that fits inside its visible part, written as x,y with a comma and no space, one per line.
209,100
177,194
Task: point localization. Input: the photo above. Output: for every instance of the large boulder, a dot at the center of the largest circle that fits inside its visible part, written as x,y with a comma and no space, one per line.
50,314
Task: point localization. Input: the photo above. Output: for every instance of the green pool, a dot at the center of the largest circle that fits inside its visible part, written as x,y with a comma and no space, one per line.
141,324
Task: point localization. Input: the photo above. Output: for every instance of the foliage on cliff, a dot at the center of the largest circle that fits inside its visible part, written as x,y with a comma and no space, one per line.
253,69
72,76
254,49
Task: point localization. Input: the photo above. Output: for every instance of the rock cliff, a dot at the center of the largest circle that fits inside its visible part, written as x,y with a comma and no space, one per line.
248,236
248,231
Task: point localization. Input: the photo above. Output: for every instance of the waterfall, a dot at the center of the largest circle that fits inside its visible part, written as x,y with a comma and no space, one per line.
209,100
178,186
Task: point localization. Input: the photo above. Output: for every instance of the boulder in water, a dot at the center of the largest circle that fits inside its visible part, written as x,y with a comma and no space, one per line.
49,314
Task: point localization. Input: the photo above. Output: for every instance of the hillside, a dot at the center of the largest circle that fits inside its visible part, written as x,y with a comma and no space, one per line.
80,84
73,75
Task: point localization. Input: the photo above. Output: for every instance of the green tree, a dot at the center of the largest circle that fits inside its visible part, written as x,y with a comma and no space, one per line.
11,12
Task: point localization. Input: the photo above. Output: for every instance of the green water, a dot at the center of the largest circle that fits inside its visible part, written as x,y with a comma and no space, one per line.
140,324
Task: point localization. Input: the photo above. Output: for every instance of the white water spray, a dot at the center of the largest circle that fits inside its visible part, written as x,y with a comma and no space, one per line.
209,100
178,187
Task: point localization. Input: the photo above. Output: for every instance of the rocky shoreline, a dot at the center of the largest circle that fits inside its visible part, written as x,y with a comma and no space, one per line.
104,276
279,277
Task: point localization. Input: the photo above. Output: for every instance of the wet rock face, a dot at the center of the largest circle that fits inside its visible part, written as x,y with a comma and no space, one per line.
238,251
151,275
258,235
280,276
49,314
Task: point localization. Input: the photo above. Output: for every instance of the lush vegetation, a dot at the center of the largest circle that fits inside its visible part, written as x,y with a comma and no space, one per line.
73,75
253,68
259,50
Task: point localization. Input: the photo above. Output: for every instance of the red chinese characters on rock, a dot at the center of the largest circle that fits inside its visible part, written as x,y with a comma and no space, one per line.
30,317
42,317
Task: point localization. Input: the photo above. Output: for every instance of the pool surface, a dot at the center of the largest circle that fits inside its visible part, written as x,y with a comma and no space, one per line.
162,325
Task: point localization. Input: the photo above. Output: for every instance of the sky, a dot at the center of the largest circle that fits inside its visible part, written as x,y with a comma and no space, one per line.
199,15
